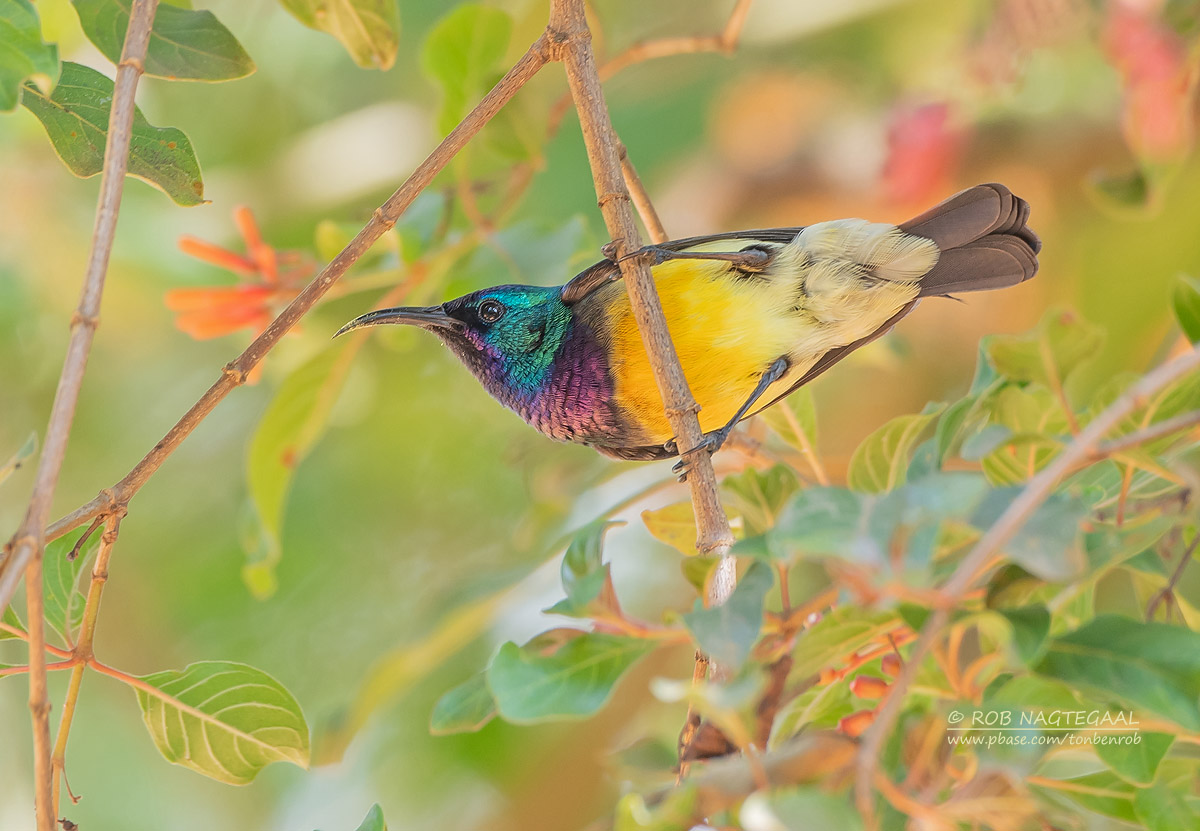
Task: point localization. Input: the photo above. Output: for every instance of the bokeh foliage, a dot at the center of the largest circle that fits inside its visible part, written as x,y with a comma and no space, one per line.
371,530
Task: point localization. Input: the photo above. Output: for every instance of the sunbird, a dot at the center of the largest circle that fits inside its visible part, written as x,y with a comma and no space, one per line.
753,316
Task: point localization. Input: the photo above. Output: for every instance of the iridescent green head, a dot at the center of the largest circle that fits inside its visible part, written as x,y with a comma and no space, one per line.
507,335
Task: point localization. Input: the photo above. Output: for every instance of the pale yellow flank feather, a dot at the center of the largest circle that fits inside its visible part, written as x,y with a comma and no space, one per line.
835,283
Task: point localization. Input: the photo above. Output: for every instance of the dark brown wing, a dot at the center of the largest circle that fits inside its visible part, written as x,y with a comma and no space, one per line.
606,271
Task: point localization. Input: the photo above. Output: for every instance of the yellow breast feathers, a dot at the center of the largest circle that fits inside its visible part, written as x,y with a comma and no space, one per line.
834,283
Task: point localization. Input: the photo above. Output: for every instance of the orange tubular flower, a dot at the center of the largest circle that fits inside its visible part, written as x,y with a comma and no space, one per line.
214,311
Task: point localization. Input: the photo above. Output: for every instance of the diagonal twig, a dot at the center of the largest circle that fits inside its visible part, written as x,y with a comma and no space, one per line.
234,374
989,545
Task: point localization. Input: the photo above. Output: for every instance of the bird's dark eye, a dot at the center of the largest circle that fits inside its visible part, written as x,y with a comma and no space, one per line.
491,310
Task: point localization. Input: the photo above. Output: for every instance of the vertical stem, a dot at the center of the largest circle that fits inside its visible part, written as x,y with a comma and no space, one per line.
641,199
84,648
39,697
570,35
29,541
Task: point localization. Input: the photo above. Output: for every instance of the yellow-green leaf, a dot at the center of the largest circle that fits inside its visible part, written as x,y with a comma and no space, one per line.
880,463
225,720
369,29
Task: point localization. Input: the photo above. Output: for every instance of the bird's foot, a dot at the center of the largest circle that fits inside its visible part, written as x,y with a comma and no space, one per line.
710,443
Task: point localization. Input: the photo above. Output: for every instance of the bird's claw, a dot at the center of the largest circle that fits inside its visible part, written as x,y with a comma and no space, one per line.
710,442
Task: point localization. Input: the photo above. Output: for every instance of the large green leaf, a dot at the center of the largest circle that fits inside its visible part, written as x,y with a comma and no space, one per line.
1102,793
369,29
1163,808
574,681
463,709
817,522
1049,543
1153,666
64,600
727,632
461,53
1134,757
76,119
23,55
225,720
293,423
880,463
1049,354
185,45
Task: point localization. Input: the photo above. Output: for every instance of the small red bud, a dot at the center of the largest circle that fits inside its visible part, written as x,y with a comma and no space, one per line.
891,665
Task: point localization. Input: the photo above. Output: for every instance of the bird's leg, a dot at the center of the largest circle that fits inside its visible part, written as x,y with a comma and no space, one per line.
752,258
713,440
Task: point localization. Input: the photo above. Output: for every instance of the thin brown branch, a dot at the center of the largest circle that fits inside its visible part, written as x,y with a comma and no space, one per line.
1156,431
986,551
384,218
29,541
569,31
641,199
724,42
1168,591
83,648
23,635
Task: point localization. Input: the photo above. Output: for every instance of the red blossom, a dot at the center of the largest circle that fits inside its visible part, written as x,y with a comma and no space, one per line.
924,149
1153,63
214,311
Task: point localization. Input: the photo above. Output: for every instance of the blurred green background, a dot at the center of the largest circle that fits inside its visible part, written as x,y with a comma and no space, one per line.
423,528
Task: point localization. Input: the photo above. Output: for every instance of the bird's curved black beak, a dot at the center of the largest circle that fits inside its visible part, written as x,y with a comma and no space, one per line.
427,317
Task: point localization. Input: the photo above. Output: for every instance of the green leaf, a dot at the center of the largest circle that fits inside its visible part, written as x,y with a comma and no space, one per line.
463,709
1102,793
461,53
817,522
1161,808
950,427
76,119
1030,625
836,636
369,29
585,578
880,462
1035,419
573,682
224,720
759,497
794,419
60,576
677,810
1186,300
373,821
1061,342
185,45
1048,544
1136,763
23,55
727,632
1153,666
23,454
985,441
293,423
9,618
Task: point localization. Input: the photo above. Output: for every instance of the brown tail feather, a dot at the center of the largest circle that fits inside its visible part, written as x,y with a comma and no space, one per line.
984,241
